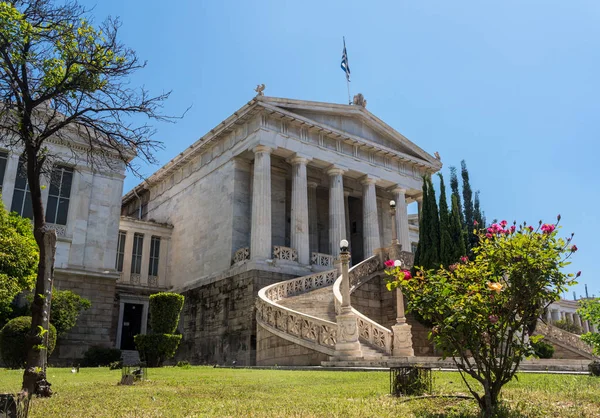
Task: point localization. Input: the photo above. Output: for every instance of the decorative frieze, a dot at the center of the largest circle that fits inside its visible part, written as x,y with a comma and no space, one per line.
61,230
320,259
153,281
134,278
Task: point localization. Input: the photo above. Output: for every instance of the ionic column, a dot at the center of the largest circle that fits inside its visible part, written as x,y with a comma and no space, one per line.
419,200
145,259
554,315
260,241
337,218
577,320
585,325
127,257
347,213
402,218
313,234
370,220
299,210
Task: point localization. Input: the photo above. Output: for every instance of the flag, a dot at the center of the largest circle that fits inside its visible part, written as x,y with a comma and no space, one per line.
345,65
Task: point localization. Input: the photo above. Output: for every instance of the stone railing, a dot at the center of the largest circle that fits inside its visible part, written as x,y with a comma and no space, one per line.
153,281
320,259
241,255
306,330
135,278
285,253
561,336
369,331
61,230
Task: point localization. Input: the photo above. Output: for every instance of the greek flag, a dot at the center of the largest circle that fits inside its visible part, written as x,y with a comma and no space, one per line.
345,65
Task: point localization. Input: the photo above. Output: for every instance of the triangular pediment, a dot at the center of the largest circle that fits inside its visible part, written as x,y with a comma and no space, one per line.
355,121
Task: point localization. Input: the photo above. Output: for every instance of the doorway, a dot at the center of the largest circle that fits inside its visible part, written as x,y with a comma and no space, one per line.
131,324
356,229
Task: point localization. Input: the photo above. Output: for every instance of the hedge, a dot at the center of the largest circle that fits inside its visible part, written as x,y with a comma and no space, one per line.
156,348
543,349
165,308
13,341
100,356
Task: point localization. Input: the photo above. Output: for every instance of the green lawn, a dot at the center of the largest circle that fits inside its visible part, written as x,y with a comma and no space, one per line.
205,391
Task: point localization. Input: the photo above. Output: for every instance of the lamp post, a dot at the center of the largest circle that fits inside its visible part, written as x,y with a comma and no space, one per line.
394,226
347,345
402,346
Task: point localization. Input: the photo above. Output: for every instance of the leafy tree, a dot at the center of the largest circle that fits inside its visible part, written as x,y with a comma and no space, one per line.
456,231
61,77
18,259
589,310
446,244
482,308
66,308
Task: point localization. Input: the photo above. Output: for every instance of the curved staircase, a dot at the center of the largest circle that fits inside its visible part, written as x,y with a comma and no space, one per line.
303,311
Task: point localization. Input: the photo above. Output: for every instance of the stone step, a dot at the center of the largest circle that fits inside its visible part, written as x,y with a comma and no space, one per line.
318,303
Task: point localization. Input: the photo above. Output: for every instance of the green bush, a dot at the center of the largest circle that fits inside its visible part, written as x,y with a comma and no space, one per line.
156,348
568,326
183,364
101,356
543,349
165,308
13,341
65,309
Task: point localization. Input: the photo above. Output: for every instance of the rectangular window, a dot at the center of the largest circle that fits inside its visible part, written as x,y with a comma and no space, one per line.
59,195
3,161
21,202
120,251
154,254
136,255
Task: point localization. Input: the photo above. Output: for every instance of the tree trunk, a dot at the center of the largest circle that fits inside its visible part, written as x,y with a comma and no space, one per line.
34,377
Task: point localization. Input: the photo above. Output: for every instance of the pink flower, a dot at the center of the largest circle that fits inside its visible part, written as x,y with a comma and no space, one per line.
493,319
452,267
475,223
512,229
464,259
407,275
503,224
578,274
548,228
488,235
389,263
574,248
530,228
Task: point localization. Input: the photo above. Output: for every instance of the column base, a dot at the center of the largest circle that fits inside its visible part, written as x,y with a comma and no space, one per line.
402,341
347,344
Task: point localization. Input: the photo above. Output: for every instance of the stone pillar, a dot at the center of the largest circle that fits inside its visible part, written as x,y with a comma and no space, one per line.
577,320
260,241
126,273
555,315
370,219
145,259
419,200
337,218
402,219
299,210
585,325
10,175
347,213
313,224
548,316
402,345
347,344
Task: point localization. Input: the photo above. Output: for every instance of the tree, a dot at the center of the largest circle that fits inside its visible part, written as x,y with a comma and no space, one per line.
66,308
589,310
455,192
456,231
62,78
431,254
482,308
471,239
446,244
423,224
18,259
478,214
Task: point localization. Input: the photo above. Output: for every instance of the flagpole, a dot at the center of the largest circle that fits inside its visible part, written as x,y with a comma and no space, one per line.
347,78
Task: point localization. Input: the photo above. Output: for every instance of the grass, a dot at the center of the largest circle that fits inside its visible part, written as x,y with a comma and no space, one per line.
205,391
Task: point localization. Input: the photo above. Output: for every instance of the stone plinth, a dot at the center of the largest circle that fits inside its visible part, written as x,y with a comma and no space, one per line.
402,346
347,345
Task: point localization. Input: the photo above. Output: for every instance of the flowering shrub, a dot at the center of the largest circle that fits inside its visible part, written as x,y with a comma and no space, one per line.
590,310
484,310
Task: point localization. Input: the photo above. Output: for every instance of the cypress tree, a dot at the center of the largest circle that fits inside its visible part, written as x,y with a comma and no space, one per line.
430,258
455,192
456,232
479,217
423,221
445,238
471,239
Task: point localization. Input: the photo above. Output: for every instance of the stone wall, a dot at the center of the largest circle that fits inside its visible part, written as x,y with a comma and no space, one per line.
219,319
275,351
96,326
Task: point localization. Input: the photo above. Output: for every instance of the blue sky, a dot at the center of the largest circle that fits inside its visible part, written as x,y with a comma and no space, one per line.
511,87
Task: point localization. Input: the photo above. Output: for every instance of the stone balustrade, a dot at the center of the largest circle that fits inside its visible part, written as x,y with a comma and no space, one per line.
306,330
320,259
241,255
561,336
285,253
61,230
369,331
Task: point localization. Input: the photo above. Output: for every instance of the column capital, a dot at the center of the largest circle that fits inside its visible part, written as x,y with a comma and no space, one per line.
368,180
312,184
398,189
262,149
335,171
298,159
